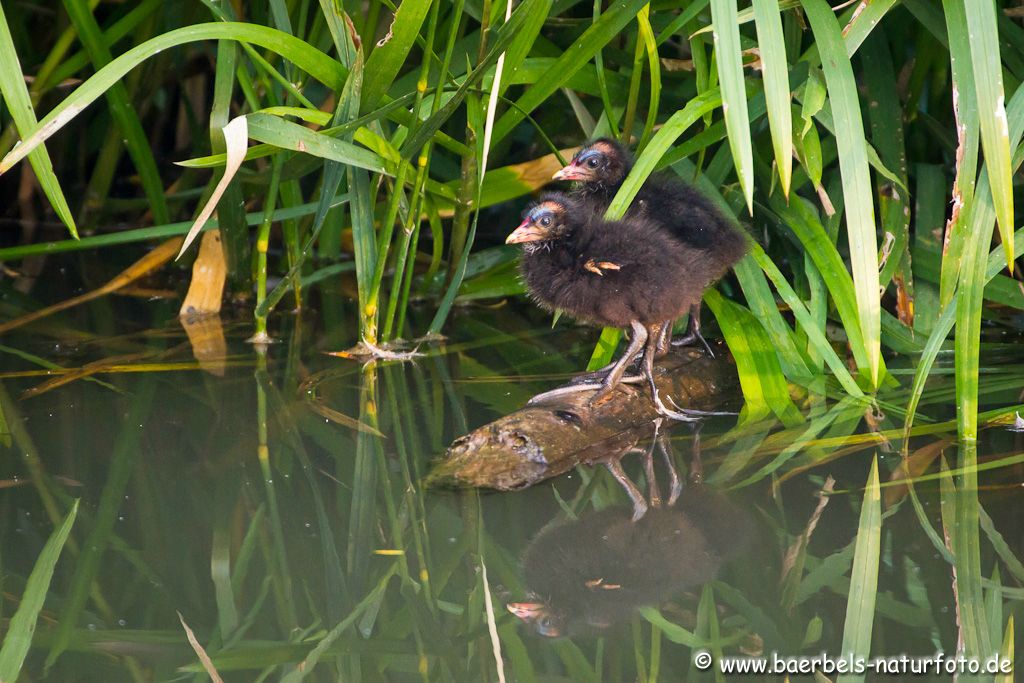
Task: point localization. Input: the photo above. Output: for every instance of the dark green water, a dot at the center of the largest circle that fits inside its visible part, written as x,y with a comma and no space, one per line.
241,493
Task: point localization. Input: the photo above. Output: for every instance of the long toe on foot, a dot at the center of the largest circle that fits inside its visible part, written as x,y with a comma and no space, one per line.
698,414
692,337
678,415
564,391
589,378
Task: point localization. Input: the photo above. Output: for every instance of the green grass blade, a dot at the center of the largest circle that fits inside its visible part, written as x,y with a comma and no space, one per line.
388,58
153,233
504,37
574,58
23,624
734,92
304,56
982,213
646,34
860,604
757,363
800,217
965,109
313,658
853,166
121,110
815,335
656,149
1007,652
865,18
775,72
605,348
995,133
288,135
969,303
763,305
19,104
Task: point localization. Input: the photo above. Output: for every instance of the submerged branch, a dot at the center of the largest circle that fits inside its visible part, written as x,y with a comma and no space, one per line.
545,439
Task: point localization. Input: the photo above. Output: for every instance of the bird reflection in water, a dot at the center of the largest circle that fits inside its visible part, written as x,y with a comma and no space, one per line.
591,573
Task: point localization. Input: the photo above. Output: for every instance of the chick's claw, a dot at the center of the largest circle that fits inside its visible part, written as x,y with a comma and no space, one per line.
598,267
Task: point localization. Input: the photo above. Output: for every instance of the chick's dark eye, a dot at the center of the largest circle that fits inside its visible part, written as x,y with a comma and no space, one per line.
546,221
592,162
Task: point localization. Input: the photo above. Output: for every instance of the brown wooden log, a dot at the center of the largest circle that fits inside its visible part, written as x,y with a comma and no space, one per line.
544,440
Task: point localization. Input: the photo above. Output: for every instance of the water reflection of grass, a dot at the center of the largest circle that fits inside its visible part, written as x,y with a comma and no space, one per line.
297,547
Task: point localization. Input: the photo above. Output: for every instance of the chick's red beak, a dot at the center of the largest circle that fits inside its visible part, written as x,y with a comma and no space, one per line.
571,172
526,232
527,611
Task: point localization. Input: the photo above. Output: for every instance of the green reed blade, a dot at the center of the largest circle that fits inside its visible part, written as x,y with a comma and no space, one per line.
960,518
1007,651
757,363
763,305
815,334
995,133
866,17
391,54
1000,545
656,149
971,289
504,37
49,76
853,164
965,111
775,72
682,19
22,626
288,135
654,65
19,105
860,605
574,58
121,109
734,93
231,209
304,56
799,216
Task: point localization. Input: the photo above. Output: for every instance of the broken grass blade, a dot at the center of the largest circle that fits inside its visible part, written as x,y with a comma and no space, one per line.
236,139
211,671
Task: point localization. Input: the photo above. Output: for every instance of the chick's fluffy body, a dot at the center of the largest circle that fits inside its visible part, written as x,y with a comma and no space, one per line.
658,278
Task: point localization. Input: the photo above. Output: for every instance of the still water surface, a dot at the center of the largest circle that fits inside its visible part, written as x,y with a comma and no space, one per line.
274,500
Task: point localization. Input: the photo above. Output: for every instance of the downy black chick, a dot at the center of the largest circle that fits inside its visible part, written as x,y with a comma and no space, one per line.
598,171
627,274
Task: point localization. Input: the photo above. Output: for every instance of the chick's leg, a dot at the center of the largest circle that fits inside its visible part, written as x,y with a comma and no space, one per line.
615,374
665,339
693,331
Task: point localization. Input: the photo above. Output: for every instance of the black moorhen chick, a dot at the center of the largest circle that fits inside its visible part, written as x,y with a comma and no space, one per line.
627,274
599,169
